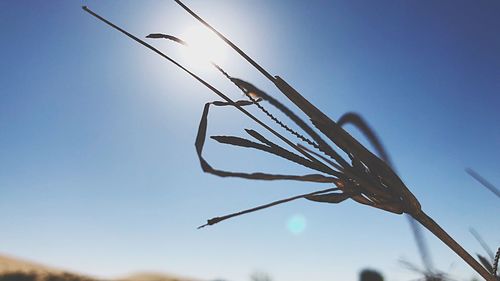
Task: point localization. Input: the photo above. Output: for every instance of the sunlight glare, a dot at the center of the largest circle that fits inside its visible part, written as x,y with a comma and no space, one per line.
204,47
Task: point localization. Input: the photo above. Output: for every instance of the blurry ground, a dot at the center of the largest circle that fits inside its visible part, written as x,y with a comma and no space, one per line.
14,269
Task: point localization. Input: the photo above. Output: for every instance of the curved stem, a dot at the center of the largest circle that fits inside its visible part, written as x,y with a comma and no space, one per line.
433,227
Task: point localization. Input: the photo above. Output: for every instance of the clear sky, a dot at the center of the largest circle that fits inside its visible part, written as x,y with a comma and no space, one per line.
98,171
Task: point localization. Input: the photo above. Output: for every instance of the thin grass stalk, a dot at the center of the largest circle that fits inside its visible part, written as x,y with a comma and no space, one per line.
215,220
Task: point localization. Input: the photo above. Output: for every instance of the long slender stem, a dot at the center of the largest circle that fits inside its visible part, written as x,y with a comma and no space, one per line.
433,227
215,220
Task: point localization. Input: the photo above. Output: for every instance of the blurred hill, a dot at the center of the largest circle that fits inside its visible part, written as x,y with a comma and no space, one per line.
148,276
15,269
10,264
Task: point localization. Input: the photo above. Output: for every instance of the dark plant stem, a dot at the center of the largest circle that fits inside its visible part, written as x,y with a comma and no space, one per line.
215,220
433,227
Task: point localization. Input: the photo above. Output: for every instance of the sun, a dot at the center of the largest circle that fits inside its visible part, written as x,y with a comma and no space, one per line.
203,46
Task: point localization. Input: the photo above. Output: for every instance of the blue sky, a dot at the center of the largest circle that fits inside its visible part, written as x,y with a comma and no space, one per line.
98,171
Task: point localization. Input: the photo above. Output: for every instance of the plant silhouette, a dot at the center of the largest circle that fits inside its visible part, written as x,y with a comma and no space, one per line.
360,175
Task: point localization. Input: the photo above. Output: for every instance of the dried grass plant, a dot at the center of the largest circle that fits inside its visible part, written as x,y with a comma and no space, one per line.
360,175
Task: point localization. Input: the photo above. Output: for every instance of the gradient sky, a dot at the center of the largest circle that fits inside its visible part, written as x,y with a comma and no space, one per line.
98,172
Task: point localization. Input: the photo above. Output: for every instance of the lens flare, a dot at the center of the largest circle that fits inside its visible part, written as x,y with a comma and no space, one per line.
296,224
